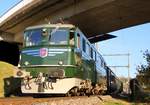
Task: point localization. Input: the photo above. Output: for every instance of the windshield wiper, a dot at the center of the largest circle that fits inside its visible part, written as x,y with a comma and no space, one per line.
54,30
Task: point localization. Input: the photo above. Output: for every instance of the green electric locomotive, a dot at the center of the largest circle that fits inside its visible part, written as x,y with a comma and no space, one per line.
59,59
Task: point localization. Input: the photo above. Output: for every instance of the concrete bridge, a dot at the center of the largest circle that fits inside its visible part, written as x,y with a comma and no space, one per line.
93,17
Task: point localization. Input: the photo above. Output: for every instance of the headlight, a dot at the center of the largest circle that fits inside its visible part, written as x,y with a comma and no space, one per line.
19,73
26,63
44,32
60,62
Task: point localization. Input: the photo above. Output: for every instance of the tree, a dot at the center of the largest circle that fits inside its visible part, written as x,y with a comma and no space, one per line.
143,75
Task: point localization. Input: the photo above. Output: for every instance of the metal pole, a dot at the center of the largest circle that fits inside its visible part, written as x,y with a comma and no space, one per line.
127,66
128,72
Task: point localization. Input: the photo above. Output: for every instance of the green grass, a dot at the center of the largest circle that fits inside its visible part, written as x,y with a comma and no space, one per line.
113,103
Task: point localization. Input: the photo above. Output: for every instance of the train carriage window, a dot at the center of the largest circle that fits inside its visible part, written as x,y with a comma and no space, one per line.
88,49
102,62
95,58
83,45
94,55
91,52
99,60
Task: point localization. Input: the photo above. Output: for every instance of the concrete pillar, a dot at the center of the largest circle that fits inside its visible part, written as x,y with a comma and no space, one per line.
6,36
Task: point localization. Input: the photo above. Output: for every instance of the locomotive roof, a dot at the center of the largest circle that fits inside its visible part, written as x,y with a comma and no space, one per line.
51,25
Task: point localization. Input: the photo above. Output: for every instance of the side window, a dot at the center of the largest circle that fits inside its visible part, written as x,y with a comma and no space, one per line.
83,45
78,40
99,59
91,53
71,38
102,62
95,56
88,49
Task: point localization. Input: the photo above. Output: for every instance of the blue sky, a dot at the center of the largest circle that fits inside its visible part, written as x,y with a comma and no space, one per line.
134,40
5,5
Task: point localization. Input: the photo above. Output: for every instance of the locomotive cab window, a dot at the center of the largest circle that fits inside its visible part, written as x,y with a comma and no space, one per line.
33,37
58,37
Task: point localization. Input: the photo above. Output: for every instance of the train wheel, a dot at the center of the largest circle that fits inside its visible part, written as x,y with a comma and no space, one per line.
68,94
83,94
76,92
88,92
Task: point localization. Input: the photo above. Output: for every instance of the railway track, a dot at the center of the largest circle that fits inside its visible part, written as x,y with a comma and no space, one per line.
77,100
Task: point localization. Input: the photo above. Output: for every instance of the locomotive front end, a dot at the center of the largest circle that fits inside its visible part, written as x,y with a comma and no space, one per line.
46,58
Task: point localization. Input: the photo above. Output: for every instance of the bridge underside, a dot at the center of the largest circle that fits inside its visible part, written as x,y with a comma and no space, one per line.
113,16
93,17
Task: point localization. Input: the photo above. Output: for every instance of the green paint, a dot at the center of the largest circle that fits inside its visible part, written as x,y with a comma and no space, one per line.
83,68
